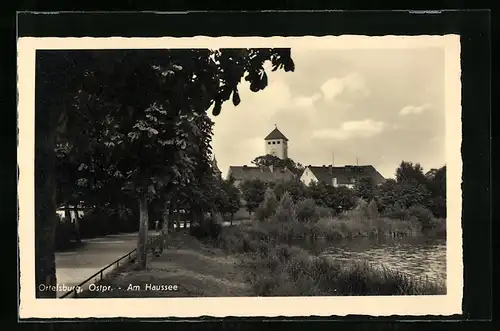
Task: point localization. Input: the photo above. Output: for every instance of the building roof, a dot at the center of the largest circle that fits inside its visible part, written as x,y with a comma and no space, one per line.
244,173
344,174
215,167
276,134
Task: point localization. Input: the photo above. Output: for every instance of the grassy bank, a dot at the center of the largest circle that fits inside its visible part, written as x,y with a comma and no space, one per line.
266,257
274,265
291,272
195,268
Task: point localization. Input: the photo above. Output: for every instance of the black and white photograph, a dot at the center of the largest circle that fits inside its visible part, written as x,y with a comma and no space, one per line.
250,175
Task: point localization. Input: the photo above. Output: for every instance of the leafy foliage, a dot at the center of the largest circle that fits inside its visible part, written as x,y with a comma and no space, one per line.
233,203
253,192
407,172
268,207
272,160
286,209
365,188
307,211
295,188
130,121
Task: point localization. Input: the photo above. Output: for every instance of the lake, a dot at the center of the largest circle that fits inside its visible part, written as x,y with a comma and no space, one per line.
416,258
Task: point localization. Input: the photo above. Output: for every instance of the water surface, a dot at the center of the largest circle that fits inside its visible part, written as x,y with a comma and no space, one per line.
414,257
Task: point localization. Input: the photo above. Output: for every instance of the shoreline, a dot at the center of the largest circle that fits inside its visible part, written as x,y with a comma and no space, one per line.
202,268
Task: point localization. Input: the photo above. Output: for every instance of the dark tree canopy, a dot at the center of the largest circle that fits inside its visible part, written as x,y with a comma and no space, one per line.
272,160
132,121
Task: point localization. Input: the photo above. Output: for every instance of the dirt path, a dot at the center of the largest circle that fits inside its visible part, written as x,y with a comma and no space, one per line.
194,268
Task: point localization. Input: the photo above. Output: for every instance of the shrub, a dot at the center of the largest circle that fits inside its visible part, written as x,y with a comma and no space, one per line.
396,211
289,271
324,212
268,207
286,209
307,211
438,229
361,204
372,210
210,227
423,215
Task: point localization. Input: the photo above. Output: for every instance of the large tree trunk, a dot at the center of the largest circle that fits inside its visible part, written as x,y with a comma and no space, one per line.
177,222
67,213
77,224
165,224
45,207
143,233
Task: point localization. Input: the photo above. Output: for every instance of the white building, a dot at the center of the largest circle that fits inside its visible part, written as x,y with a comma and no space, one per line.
340,176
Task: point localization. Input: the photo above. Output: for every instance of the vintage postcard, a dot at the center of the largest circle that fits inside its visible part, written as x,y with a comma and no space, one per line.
283,176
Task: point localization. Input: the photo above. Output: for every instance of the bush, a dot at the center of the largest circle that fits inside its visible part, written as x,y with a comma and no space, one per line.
210,228
438,229
396,211
372,210
268,207
423,215
292,272
307,211
286,210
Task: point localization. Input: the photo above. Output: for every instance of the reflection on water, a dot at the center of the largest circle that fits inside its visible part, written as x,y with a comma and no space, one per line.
418,259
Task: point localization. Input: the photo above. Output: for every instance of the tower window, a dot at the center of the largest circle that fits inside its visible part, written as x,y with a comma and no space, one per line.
269,143
278,142
274,142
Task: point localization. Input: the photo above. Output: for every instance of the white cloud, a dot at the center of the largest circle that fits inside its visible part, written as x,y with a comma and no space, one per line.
304,101
350,83
352,129
409,110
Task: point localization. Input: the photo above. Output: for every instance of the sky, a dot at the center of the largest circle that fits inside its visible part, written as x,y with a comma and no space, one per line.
376,106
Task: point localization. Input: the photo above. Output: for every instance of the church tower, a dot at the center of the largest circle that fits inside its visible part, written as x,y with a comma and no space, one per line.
215,168
277,144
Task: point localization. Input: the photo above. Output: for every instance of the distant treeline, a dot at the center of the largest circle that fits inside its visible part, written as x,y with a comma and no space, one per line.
411,188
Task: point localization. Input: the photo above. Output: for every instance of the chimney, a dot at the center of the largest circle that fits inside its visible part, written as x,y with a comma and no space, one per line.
271,168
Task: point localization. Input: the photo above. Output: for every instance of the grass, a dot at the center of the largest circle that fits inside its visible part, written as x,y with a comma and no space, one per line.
274,265
264,259
291,272
197,270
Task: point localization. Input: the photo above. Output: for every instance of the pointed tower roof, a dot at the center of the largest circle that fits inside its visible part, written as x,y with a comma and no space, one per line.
276,134
215,167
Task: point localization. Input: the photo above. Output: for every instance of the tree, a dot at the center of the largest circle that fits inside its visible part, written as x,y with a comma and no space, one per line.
365,188
234,199
335,198
307,211
343,199
436,184
124,84
407,172
253,192
272,160
412,185
286,209
295,188
323,194
388,194
267,208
